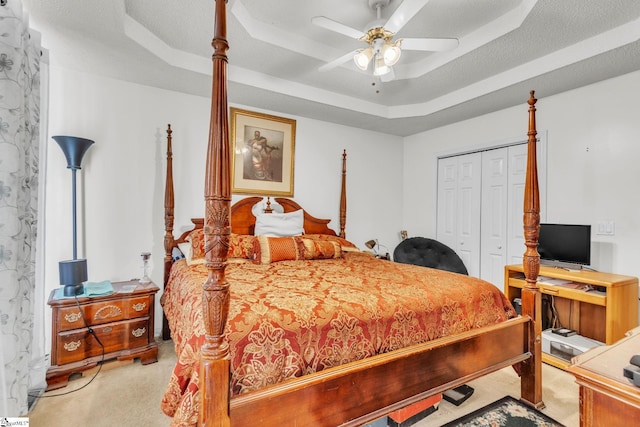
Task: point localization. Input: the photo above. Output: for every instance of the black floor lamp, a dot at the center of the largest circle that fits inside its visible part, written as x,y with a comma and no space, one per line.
73,272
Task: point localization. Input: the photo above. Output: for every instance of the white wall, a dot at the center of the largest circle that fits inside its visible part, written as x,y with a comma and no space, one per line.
593,156
121,184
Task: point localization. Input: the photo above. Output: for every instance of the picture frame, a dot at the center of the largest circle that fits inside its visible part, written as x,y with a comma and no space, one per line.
263,149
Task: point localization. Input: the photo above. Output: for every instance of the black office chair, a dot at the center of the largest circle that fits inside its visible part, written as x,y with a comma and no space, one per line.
431,253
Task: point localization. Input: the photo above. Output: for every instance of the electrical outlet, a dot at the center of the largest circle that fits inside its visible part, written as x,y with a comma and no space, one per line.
606,228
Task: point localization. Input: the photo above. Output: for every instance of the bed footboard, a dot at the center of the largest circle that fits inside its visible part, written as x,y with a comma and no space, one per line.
362,391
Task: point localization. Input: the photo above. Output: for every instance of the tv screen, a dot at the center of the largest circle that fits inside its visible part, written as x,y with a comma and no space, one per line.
565,243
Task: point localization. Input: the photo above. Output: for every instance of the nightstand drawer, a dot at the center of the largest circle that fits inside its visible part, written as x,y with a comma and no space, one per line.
79,344
102,312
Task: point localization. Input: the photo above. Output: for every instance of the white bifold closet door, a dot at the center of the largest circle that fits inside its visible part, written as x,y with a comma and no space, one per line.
458,222
480,201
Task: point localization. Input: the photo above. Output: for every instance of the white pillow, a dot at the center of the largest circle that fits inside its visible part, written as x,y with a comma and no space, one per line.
280,224
187,250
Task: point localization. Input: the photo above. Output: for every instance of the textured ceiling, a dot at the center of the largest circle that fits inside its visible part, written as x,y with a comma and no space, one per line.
506,48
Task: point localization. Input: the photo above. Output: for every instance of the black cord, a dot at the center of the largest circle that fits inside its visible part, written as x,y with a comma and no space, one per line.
92,332
554,313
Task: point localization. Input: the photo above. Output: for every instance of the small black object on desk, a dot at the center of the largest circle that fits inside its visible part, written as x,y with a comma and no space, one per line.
633,371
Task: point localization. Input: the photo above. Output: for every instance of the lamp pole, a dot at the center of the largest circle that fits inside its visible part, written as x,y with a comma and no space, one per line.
74,213
73,272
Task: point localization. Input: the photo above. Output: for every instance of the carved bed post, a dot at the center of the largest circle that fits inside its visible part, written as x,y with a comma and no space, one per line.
214,364
531,384
169,204
343,195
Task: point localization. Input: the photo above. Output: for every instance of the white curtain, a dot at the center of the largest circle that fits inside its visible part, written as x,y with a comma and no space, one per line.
20,114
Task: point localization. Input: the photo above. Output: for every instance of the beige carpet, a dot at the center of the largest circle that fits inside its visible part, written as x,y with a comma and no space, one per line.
129,394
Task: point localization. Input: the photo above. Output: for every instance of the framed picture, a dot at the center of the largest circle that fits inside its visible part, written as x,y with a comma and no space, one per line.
262,149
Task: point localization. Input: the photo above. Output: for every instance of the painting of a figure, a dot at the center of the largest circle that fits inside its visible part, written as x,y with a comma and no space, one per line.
263,153
263,156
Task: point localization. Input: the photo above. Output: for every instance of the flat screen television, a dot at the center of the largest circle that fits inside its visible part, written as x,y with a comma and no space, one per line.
565,245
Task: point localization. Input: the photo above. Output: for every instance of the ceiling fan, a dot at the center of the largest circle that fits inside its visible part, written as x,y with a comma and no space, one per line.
382,51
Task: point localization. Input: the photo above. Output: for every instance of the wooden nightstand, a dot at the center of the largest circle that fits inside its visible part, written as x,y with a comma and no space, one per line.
122,321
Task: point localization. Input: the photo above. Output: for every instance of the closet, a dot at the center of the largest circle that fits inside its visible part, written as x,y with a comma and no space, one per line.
479,206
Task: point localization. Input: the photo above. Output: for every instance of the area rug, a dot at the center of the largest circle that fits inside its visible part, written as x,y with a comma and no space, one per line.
506,412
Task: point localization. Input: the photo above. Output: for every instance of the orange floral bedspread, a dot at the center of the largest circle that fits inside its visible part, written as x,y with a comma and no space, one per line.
292,318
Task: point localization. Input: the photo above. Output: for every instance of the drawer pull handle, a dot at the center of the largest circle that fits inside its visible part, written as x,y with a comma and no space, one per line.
107,329
72,317
140,306
107,312
138,332
72,346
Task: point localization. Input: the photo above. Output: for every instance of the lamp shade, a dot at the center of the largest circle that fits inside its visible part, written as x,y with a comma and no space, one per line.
72,274
73,148
371,244
391,53
380,68
363,57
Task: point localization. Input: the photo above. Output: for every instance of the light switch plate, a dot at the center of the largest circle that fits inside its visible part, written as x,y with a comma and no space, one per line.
606,228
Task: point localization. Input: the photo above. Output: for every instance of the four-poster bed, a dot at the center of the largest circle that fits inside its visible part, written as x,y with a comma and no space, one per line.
362,388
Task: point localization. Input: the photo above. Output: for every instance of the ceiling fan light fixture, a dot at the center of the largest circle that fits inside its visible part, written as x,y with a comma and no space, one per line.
391,53
363,57
379,67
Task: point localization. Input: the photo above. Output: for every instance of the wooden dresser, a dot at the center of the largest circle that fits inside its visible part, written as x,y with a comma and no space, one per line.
123,321
607,398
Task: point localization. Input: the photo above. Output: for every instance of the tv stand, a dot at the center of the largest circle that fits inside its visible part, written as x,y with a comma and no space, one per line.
600,306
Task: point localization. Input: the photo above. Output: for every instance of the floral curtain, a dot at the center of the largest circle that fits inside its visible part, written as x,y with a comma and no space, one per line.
19,164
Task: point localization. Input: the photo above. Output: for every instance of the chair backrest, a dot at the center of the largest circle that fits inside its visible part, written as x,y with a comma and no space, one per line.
428,253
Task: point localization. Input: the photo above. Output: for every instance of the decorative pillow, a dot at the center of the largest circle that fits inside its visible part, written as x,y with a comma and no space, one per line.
274,249
280,224
176,254
345,245
242,246
321,249
196,237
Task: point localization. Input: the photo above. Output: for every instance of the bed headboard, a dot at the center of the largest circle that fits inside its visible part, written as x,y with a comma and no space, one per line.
243,221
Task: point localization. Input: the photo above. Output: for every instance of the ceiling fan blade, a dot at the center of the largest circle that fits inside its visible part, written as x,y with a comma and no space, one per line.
428,44
330,24
338,61
403,14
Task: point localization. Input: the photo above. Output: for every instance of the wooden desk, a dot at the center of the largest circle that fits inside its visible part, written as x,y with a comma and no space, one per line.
607,398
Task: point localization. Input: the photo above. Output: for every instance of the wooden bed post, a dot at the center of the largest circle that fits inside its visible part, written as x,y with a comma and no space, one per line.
531,383
214,363
343,195
169,204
